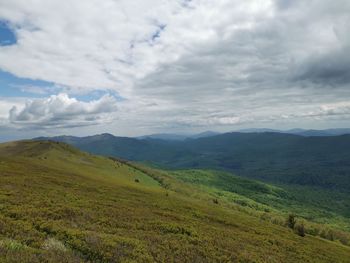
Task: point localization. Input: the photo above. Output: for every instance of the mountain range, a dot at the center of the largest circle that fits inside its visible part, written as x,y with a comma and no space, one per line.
302,132
297,131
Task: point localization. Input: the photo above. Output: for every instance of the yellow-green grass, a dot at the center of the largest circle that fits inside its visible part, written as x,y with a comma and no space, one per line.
268,202
58,204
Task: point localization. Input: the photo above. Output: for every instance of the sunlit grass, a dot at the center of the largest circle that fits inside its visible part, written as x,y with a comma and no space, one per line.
58,204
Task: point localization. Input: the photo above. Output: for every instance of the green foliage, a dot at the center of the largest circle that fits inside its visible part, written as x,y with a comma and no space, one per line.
319,206
291,221
61,205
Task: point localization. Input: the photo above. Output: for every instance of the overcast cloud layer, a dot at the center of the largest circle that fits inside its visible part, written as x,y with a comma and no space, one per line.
178,65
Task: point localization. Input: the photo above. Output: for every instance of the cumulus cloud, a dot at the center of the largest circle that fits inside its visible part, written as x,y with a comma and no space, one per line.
183,64
7,103
62,111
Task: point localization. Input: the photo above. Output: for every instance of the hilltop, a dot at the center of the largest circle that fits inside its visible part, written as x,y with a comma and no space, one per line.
59,204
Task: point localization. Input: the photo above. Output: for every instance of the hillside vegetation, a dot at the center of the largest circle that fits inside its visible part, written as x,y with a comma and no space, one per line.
326,207
62,205
272,157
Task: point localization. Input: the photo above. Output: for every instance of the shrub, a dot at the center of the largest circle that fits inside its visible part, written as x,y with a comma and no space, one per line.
291,221
300,230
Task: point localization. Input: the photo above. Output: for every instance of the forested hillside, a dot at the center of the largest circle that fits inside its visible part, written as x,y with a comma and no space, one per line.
272,157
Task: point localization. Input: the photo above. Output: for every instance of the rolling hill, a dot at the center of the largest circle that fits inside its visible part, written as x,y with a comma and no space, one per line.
59,204
271,157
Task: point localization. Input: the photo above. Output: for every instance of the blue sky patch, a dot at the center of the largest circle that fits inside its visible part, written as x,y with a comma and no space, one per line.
12,86
7,36
97,94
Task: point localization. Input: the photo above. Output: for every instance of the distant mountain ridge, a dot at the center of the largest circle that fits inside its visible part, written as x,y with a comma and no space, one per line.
178,137
296,131
268,156
301,132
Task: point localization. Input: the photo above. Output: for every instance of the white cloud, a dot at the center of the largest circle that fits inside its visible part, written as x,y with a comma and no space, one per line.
7,103
329,110
183,64
93,45
62,111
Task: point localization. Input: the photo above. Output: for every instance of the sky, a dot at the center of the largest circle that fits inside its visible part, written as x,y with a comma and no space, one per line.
135,67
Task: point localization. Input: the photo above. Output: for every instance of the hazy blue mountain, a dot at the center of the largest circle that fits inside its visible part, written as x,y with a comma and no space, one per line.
204,134
178,137
165,136
301,132
327,132
259,130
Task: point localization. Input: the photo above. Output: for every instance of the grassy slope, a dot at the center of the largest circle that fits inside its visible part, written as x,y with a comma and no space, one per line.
311,203
61,205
